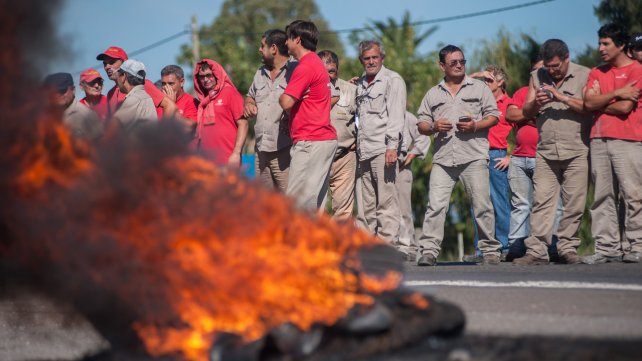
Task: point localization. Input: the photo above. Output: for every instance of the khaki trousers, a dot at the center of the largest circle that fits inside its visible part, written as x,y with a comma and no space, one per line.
342,183
474,176
616,167
272,168
379,201
406,224
571,176
309,172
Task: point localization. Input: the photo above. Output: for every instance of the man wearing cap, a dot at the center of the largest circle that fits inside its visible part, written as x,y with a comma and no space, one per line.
92,84
172,81
635,47
112,59
221,128
613,93
137,110
81,121
307,100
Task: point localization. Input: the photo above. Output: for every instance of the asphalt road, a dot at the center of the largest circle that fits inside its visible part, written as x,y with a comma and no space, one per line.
551,312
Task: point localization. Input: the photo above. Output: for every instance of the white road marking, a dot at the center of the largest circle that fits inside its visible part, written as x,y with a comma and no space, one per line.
531,284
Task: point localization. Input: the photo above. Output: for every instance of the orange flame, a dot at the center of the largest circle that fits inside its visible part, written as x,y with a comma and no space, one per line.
202,251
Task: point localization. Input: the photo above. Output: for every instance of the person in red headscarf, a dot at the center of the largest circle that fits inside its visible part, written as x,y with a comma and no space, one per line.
221,128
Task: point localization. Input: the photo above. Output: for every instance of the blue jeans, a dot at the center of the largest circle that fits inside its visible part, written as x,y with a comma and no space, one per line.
499,196
520,178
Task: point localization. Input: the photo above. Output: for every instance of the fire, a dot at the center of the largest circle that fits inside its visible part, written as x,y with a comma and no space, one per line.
190,249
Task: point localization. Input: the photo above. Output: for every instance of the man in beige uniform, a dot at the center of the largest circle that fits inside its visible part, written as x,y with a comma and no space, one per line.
262,101
137,110
81,121
414,145
344,165
555,99
381,107
459,110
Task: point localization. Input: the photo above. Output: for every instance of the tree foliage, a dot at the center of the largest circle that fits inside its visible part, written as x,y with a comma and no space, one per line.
234,37
625,12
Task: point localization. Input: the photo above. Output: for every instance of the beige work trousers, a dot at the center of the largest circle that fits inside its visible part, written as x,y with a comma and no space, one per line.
378,198
616,167
309,172
342,183
272,168
571,177
406,224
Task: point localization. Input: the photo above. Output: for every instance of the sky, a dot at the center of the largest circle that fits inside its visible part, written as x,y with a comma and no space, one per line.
90,26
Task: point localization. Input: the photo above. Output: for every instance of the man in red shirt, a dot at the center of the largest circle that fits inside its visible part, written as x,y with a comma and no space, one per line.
221,128
112,59
92,84
172,81
613,93
307,99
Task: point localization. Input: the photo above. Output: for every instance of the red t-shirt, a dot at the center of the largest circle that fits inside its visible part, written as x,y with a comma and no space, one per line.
627,127
526,136
498,133
218,137
100,108
310,117
115,98
186,105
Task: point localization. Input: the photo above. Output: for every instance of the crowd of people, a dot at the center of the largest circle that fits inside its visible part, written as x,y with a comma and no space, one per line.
319,136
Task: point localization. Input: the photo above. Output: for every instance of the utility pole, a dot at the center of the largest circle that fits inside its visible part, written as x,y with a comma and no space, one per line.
196,45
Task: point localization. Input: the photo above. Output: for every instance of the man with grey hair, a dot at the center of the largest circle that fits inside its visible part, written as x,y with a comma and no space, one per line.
138,107
172,81
381,107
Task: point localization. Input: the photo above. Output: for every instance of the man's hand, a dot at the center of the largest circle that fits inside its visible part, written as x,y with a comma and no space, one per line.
467,127
628,92
169,91
409,159
391,157
502,163
542,96
234,160
442,125
249,110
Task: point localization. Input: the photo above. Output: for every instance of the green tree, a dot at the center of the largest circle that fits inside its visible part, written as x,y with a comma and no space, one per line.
234,36
625,12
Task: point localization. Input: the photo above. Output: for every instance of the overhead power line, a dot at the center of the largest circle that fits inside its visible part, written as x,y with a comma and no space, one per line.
349,30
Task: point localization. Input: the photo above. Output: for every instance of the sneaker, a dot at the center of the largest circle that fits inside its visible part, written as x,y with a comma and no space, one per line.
570,258
598,258
473,258
633,257
426,260
530,260
490,260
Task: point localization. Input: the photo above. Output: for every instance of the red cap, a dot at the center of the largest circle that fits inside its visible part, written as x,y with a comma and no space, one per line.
113,52
89,75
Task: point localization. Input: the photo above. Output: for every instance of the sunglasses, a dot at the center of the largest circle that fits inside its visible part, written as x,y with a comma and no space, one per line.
453,63
95,82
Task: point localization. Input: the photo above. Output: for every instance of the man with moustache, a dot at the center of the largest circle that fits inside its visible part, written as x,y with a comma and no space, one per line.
307,100
92,84
613,94
459,111
112,59
555,101
273,140
381,108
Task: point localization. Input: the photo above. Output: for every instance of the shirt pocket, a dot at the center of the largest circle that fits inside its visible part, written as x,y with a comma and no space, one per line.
472,107
377,103
262,93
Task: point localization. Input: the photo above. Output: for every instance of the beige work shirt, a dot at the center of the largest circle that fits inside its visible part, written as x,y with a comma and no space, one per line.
413,142
381,107
342,115
137,110
271,128
82,122
474,99
563,133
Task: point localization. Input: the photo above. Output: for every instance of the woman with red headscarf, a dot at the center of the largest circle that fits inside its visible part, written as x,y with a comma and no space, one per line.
221,129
